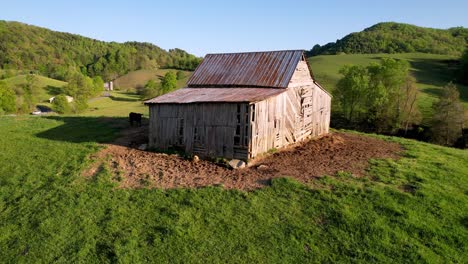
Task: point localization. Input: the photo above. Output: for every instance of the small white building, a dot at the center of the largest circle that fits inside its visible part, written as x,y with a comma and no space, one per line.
109,86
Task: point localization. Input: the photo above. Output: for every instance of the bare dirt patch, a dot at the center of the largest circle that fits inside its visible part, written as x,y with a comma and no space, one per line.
327,155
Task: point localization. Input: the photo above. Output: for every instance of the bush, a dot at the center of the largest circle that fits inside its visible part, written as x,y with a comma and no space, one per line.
150,90
61,105
7,99
180,75
168,82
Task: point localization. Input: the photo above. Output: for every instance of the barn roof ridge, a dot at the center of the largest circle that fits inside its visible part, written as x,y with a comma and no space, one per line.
261,51
272,69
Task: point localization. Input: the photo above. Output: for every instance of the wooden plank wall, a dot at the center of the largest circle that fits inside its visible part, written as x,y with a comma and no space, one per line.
301,112
208,128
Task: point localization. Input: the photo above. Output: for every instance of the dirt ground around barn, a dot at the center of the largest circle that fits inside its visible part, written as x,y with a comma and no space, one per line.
327,155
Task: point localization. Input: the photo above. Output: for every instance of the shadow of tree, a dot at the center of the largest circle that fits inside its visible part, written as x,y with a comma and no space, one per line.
53,90
77,129
122,99
437,72
433,71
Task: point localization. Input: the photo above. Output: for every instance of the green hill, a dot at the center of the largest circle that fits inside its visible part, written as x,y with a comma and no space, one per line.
432,72
47,87
57,54
138,79
410,210
393,37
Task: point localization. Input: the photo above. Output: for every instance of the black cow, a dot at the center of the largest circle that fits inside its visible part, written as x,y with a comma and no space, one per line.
135,117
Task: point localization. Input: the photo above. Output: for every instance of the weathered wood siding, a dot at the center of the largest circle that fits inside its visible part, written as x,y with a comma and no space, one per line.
205,129
303,111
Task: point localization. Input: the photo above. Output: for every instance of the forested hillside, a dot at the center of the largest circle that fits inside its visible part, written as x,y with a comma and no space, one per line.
58,55
393,37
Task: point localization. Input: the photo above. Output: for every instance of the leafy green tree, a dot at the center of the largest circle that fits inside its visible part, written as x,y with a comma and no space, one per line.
351,91
151,89
80,104
7,99
80,85
61,105
28,94
168,82
409,111
60,55
448,119
381,94
98,85
180,75
386,92
398,38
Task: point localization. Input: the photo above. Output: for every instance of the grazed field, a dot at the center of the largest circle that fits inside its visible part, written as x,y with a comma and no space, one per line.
119,103
431,71
413,209
136,79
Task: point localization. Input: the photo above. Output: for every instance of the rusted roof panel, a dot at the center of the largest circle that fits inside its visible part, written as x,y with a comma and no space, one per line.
204,95
272,69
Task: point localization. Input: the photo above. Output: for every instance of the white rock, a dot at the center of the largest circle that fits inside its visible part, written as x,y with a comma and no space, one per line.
237,164
195,158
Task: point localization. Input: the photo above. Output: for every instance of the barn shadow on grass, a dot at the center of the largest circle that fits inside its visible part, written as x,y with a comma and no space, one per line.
124,99
78,129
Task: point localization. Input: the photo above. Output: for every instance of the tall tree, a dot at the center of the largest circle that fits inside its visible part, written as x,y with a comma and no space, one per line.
386,94
448,119
7,99
61,105
351,91
29,93
409,111
168,82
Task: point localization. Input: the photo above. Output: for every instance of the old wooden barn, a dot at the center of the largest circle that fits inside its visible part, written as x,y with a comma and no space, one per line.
239,105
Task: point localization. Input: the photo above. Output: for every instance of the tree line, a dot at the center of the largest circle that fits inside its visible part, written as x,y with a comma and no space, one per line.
60,55
82,62
382,97
393,37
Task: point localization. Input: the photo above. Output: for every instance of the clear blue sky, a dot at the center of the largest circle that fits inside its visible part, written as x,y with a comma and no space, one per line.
202,26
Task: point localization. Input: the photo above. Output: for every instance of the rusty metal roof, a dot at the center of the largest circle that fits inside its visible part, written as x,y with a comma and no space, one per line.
205,95
272,69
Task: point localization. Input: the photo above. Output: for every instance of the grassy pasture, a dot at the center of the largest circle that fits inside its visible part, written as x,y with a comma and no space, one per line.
431,71
410,210
121,102
48,87
139,78
118,104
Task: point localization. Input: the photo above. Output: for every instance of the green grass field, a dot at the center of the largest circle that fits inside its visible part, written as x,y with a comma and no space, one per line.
135,79
405,211
122,102
118,104
431,71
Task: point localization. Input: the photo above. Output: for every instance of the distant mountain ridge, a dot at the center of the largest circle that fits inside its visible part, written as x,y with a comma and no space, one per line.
58,54
391,37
